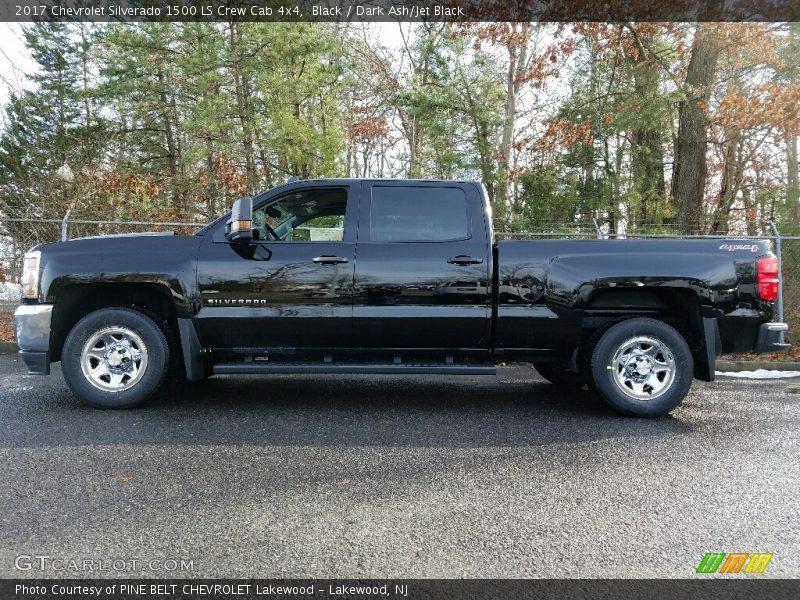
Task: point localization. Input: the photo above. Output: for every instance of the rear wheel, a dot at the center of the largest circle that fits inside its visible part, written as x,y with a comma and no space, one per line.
115,358
642,367
559,375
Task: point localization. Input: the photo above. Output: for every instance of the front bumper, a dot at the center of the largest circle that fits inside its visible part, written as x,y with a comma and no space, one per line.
771,338
32,330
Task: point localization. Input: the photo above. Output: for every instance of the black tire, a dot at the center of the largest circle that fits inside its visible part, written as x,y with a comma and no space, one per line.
559,375
650,360
150,369
585,359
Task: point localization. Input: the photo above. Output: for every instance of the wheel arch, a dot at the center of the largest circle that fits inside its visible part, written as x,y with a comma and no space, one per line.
76,301
641,340
679,307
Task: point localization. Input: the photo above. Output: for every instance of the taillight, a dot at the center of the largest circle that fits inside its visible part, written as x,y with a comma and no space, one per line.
768,278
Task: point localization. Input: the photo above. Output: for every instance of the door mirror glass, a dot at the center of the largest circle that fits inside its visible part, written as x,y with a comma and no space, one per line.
240,226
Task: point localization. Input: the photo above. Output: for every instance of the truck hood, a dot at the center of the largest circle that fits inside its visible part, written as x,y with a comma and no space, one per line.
103,247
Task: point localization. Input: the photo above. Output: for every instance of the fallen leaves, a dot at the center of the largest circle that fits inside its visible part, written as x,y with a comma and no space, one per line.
6,325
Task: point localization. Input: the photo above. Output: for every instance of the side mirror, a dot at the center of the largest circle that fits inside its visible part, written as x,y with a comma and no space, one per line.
240,226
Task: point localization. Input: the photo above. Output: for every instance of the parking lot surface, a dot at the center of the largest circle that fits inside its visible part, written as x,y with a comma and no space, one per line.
383,476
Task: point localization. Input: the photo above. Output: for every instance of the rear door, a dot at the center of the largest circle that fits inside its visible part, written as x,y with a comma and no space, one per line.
423,267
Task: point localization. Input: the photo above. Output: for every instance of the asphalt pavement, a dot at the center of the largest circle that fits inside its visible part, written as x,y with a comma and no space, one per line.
384,476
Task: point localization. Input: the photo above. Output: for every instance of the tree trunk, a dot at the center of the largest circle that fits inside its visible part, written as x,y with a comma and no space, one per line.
517,60
483,142
689,175
729,186
648,153
648,171
169,136
242,86
751,212
266,166
85,83
211,188
793,184
413,148
647,150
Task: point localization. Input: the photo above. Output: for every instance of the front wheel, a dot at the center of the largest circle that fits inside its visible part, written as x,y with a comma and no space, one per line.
115,358
642,367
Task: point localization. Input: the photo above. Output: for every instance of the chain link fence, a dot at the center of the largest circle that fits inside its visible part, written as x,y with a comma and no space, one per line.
790,253
19,234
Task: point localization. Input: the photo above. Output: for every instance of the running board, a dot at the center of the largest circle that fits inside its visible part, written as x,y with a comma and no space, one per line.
251,368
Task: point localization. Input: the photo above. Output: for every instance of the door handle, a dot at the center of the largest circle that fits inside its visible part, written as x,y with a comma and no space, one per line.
462,259
329,260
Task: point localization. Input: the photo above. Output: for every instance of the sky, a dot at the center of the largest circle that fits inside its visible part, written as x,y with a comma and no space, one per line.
15,62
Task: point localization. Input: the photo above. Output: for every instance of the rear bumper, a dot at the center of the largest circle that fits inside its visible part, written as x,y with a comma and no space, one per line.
771,338
32,330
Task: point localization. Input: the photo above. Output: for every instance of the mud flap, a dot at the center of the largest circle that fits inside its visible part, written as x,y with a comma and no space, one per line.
192,351
705,364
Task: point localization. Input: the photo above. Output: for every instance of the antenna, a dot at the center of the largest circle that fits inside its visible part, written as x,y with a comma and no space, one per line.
293,178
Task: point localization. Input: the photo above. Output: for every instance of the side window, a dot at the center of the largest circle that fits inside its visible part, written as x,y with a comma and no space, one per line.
418,214
315,215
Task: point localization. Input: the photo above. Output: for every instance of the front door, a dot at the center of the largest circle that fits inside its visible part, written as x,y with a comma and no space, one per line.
292,288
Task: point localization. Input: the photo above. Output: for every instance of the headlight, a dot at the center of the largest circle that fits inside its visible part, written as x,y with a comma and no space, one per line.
30,275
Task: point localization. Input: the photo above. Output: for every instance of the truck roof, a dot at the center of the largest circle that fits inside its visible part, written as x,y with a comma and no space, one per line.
384,179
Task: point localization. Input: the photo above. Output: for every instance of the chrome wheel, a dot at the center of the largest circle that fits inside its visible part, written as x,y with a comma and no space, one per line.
643,368
114,359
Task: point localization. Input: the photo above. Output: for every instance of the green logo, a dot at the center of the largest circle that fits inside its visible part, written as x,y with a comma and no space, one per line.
734,562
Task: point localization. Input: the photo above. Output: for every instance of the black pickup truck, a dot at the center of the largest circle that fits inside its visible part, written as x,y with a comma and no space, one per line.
391,276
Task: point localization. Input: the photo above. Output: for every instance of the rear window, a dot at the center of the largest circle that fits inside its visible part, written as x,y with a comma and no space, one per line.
418,214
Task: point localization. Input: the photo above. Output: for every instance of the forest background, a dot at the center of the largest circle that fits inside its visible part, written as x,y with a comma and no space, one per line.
689,128
655,128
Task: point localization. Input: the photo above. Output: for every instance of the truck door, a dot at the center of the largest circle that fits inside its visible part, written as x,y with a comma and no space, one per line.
423,269
293,287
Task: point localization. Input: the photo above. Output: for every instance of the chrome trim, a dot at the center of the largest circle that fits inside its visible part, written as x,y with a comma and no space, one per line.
32,327
770,338
33,309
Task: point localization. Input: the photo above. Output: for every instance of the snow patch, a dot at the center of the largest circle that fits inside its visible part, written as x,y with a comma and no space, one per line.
10,292
760,374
